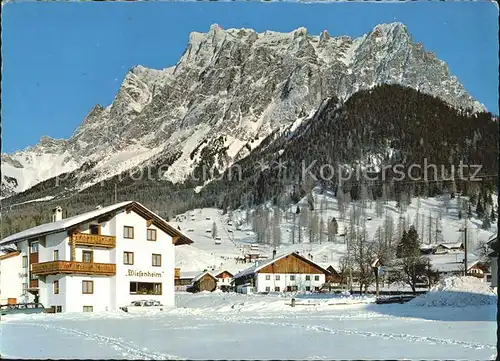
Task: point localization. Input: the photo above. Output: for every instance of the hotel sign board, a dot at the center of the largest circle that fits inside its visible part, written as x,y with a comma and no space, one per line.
143,274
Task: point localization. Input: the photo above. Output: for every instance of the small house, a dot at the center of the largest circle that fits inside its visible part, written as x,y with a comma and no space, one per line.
184,280
286,273
224,279
204,281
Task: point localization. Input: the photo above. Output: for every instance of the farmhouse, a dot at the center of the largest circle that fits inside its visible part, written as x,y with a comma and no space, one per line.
224,279
204,281
96,261
286,273
449,247
184,279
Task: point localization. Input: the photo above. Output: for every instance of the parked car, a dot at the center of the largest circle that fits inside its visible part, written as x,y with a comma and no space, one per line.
22,308
143,305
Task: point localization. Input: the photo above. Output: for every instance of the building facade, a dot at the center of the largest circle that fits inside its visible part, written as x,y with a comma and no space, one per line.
100,260
11,269
287,273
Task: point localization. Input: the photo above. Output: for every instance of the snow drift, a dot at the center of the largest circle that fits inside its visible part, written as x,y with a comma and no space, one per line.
457,292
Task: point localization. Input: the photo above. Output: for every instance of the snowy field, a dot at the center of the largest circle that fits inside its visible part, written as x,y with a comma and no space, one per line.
234,326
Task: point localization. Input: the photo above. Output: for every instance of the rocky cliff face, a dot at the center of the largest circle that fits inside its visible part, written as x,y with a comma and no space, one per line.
232,86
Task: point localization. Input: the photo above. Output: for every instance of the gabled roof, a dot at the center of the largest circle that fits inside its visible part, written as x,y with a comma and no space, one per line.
218,272
72,222
197,278
452,245
259,265
9,255
189,274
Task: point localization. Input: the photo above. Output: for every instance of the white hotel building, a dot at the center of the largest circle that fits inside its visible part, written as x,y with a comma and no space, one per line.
96,261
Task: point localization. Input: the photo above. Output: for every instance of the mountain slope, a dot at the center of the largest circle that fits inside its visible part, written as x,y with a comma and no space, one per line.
229,91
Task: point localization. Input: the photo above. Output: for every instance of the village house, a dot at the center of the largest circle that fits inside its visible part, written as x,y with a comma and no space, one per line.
286,273
184,279
97,261
204,281
224,279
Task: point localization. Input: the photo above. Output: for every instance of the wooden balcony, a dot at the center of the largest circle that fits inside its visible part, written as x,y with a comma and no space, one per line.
93,240
69,267
177,273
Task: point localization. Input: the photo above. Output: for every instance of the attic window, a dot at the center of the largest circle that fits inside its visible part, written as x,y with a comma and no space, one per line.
95,229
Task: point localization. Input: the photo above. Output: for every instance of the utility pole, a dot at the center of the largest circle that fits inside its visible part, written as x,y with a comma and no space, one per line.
116,194
465,247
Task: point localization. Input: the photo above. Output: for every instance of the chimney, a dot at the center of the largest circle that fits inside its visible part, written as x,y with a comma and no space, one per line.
57,214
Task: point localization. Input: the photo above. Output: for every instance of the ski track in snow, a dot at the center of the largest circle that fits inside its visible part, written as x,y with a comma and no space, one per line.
383,335
127,350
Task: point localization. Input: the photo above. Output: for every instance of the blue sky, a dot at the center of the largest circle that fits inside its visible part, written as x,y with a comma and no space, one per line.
60,59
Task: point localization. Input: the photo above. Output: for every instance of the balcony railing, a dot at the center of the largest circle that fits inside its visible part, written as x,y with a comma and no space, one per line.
94,240
69,267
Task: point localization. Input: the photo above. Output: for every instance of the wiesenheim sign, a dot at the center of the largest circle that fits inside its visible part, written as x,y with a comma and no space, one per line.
143,274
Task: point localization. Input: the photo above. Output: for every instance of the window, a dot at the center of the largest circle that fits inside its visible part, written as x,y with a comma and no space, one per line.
56,255
128,232
291,288
88,256
316,288
276,289
145,288
292,278
268,289
128,257
87,287
34,247
308,278
151,234
277,277
58,309
88,308
56,287
308,288
95,229
25,288
316,278
156,260
25,261
268,277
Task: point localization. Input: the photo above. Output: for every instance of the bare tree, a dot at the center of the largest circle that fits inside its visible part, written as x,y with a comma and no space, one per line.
276,227
313,227
294,226
214,230
363,257
321,231
379,207
341,203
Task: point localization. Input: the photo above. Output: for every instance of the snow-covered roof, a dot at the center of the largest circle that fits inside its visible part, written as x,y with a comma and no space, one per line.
261,264
66,223
189,274
451,245
200,275
218,272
